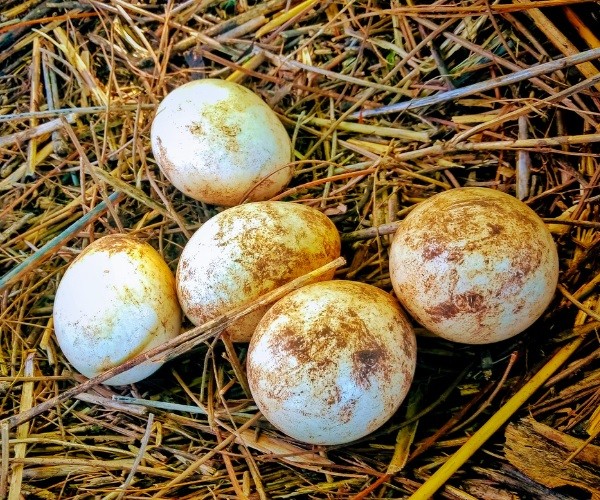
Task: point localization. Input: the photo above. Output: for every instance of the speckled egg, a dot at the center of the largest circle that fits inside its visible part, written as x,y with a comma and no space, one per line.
331,362
474,265
116,300
220,143
247,251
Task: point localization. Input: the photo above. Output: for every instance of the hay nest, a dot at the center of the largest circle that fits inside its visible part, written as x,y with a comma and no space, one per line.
387,103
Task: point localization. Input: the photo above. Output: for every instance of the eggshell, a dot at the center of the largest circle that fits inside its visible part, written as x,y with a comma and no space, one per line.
331,362
246,251
474,265
116,300
220,143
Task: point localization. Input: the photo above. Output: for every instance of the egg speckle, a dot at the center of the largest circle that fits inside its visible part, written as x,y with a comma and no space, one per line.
331,362
116,300
474,265
247,251
218,142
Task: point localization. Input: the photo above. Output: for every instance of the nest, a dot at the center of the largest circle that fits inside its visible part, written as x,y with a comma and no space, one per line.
387,104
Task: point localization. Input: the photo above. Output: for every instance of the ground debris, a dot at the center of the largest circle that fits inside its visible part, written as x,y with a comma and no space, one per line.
542,453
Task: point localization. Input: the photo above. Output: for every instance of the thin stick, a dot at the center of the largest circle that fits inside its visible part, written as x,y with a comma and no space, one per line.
161,405
47,251
284,17
15,226
5,456
587,34
450,95
52,99
285,62
576,303
444,148
178,345
523,163
88,110
138,458
372,232
558,39
397,132
30,133
477,440
33,105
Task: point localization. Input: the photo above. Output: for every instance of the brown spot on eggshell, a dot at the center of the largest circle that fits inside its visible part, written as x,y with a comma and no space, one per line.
347,411
432,250
463,303
368,361
166,165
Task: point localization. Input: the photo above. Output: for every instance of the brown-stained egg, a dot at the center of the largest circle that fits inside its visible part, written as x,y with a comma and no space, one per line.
332,361
220,143
474,265
116,300
247,251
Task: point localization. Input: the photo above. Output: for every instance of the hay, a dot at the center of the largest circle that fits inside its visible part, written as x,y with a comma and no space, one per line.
387,104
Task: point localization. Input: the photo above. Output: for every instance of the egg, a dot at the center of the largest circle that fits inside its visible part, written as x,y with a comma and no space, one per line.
331,362
474,265
116,300
220,143
244,252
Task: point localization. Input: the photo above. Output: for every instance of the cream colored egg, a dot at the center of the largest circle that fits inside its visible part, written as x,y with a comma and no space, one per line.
246,251
474,265
116,300
220,143
332,361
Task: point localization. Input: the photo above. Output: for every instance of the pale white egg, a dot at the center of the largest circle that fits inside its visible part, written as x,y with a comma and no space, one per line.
246,251
332,361
117,299
474,265
220,143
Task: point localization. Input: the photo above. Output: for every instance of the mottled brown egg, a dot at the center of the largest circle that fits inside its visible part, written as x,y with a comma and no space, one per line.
220,143
332,361
116,300
247,251
474,265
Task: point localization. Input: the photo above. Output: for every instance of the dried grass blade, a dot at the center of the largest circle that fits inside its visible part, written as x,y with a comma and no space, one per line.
396,132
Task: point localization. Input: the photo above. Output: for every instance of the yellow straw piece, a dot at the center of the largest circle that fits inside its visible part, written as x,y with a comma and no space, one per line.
286,16
251,64
360,128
